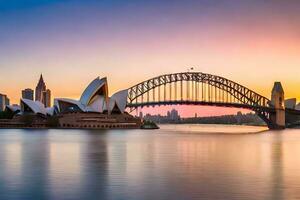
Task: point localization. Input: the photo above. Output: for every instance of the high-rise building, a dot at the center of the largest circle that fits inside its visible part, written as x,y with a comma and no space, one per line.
173,115
41,86
43,94
7,101
141,115
27,94
46,98
4,101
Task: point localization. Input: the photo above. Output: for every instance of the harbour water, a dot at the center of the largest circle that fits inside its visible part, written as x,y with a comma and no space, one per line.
174,162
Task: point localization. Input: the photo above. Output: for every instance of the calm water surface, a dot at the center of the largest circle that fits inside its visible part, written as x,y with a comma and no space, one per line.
175,162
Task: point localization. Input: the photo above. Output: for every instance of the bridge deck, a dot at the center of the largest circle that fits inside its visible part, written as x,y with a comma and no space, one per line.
204,103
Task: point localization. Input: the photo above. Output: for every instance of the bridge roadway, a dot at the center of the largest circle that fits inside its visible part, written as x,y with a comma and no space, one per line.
196,103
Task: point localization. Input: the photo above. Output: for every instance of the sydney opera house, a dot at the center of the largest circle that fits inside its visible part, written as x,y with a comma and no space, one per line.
94,109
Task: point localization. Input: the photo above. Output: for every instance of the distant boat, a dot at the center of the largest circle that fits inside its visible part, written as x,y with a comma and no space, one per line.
149,125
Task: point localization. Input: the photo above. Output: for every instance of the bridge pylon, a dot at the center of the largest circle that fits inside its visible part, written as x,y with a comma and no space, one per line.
277,118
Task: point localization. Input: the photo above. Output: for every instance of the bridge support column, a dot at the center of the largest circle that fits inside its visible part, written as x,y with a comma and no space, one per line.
278,117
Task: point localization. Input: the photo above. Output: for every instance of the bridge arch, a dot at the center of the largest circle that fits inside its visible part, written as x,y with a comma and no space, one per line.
197,88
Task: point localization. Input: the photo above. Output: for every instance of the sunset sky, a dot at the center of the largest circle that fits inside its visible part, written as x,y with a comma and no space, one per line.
253,42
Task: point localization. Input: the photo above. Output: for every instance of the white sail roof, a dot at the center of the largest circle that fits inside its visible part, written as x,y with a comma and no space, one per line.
97,86
95,99
13,108
50,111
69,101
97,105
35,106
118,99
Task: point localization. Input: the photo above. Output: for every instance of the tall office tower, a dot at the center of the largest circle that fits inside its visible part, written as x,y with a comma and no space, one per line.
41,86
27,94
141,115
4,101
46,100
7,101
43,94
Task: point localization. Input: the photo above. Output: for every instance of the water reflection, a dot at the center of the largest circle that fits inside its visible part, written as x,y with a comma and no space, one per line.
10,173
64,169
160,164
35,164
12,164
277,169
23,164
94,159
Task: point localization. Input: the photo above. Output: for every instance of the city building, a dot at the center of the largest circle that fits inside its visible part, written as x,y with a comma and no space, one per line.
297,107
7,101
4,101
141,114
41,86
46,98
171,117
239,117
290,103
42,94
27,94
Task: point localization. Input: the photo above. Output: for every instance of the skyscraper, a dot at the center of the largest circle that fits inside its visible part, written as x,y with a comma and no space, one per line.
173,115
43,94
7,101
46,100
27,94
4,101
41,86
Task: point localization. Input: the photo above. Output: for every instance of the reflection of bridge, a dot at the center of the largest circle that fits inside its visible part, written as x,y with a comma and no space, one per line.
196,88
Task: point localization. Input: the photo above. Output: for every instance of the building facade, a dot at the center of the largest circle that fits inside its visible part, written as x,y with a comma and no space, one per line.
27,94
42,94
290,103
4,101
41,86
46,98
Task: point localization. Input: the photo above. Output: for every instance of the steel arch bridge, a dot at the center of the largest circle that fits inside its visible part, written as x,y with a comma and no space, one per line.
197,88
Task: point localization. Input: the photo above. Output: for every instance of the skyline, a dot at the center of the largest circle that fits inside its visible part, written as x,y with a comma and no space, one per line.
185,110
72,42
